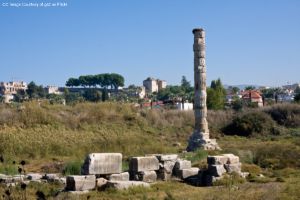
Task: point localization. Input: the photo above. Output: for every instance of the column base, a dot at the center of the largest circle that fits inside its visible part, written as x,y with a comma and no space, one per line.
199,140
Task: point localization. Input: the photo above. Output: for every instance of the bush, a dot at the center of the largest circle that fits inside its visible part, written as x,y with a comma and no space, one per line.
250,124
286,114
277,156
72,168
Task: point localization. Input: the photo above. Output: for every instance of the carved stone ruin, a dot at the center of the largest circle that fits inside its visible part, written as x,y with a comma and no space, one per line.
200,137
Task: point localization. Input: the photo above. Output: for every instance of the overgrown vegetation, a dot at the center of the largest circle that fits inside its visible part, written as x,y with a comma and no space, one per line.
56,138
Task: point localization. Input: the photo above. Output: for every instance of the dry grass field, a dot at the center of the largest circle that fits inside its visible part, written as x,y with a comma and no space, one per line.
56,138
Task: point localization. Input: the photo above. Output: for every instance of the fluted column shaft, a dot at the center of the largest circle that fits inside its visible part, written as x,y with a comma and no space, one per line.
200,108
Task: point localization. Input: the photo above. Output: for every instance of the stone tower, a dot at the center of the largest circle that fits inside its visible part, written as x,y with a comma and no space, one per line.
200,137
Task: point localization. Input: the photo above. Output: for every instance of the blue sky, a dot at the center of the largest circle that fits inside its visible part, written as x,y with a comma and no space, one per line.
248,42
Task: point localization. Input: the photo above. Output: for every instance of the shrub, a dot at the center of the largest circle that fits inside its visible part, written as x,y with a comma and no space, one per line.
285,114
251,168
250,124
277,156
72,168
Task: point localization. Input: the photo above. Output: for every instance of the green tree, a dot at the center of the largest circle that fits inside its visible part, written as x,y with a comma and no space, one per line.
250,87
297,95
104,96
20,96
216,95
73,98
32,90
93,95
116,81
185,84
297,98
83,81
72,82
235,90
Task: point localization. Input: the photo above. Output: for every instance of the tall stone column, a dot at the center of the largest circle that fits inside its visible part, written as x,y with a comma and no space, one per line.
200,137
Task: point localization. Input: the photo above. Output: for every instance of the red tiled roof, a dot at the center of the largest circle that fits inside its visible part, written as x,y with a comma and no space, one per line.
254,94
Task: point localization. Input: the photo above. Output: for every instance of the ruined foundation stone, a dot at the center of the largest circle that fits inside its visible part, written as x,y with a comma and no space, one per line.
126,184
119,177
102,163
187,173
81,183
200,137
141,164
146,176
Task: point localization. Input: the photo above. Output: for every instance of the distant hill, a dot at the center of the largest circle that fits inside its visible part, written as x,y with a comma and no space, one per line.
242,86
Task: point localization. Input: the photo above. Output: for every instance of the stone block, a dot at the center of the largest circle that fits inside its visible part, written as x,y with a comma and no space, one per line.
182,164
119,185
167,157
216,170
102,164
119,177
141,164
217,160
62,180
165,176
51,177
231,159
167,166
244,174
34,176
81,183
147,176
233,168
187,173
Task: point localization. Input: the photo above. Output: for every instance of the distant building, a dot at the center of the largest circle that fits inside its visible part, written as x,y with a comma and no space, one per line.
9,89
291,87
154,85
139,92
184,106
52,90
252,96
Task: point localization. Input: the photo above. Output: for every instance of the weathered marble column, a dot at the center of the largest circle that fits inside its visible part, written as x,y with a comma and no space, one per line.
200,137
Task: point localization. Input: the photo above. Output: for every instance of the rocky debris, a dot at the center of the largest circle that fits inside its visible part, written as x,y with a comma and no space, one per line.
142,171
187,173
180,165
167,157
12,179
233,168
119,177
140,164
244,174
146,176
34,176
81,183
166,165
51,177
102,163
220,165
126,184
101,183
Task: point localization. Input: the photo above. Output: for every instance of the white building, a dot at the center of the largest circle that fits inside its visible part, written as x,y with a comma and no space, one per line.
154,85
12,87
9,89
184,106
52,90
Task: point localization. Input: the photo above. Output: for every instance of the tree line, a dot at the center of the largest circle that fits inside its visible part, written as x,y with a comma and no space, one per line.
112,81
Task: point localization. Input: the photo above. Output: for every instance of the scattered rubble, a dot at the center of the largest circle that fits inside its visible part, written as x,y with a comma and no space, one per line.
103,170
